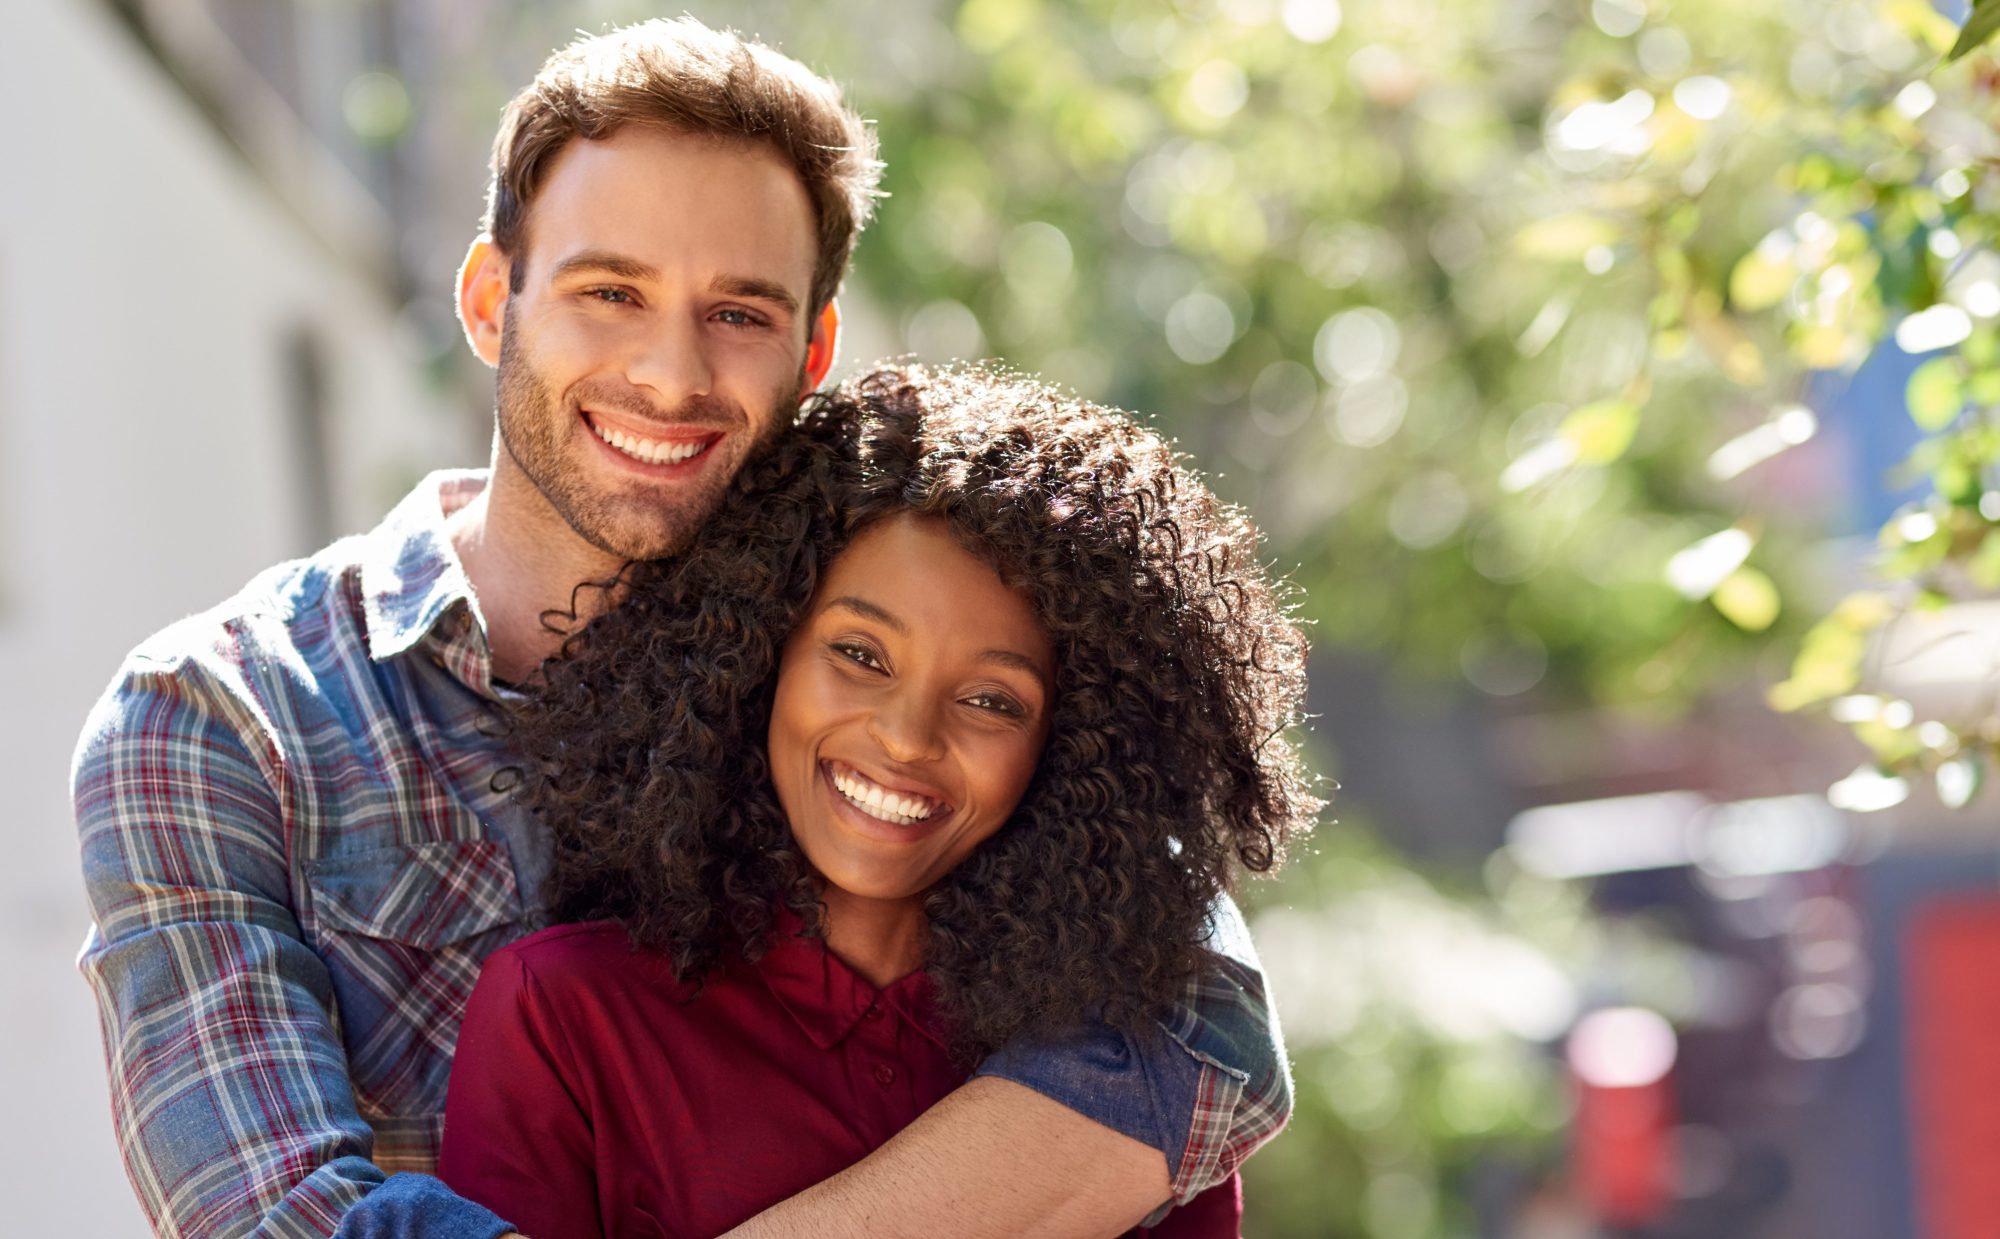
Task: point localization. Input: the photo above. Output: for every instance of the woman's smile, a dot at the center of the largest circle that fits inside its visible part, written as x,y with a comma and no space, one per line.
886,804
912,705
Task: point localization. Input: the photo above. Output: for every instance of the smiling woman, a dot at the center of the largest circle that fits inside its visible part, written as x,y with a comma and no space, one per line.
911,709
964,708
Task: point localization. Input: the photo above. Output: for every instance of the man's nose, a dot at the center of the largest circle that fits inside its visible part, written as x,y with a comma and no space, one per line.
671,360
907,729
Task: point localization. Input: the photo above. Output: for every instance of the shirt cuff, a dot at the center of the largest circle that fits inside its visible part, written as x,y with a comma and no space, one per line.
1145,1086
417,1206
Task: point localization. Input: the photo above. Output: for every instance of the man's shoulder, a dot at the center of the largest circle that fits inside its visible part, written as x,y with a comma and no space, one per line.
287,605
276,625
270,638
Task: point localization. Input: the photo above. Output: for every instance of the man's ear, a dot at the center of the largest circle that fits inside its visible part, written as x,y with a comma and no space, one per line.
482,298
820,347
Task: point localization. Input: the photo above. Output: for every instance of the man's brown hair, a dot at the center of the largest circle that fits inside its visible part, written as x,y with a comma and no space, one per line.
684,77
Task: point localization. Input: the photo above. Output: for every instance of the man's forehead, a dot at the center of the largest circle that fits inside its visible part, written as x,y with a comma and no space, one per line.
665,200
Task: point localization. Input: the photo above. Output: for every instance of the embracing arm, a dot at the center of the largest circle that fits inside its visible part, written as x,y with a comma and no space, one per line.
994,1158
229,1084
1078,1138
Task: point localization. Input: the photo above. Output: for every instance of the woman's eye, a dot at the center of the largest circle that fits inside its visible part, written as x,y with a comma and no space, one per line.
860,655
998,704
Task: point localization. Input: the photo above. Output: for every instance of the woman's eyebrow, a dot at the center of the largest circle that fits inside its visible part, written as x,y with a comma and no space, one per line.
1011,658
868,610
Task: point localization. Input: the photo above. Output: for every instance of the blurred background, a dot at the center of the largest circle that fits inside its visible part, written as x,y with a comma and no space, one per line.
1616,377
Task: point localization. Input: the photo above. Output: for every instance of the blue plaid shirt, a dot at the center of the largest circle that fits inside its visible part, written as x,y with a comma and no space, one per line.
297,858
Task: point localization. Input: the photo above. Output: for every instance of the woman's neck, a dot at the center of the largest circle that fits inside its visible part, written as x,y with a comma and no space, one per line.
881,939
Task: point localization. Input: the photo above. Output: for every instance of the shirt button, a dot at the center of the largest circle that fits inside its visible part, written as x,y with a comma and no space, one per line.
885,1075
874,1012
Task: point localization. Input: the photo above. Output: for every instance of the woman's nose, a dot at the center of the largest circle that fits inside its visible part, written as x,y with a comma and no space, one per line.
907,730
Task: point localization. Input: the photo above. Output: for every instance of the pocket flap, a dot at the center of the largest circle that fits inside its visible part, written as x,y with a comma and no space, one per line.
427,895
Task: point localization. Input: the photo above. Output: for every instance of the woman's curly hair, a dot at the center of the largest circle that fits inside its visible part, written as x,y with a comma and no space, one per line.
1170,756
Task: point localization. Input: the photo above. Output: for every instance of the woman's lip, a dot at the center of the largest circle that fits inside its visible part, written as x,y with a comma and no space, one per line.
875,827
901,787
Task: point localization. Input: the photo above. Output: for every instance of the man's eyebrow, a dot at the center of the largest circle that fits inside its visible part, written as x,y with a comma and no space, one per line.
868,610
607,262
757,289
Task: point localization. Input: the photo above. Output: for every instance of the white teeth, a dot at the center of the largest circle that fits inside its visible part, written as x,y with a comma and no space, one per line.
653,453
880,802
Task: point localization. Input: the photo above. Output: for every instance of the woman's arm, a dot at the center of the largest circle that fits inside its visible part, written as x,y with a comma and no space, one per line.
516,1137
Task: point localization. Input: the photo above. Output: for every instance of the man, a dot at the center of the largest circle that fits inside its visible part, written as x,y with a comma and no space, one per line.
295,830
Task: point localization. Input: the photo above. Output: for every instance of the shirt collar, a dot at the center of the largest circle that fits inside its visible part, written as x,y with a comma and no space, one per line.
411,576
828,999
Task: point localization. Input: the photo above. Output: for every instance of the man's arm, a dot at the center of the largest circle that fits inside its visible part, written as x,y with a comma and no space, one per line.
229,1084
994,1159
1080,1136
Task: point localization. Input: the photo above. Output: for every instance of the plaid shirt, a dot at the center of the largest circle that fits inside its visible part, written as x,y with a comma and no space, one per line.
297,858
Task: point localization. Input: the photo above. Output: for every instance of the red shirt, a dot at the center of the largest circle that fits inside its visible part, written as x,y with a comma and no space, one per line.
593,1095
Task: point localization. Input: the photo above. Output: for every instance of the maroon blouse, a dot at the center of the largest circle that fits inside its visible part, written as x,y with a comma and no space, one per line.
594,1096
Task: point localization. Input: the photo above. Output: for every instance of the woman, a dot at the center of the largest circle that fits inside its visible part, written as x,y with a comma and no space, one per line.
949,730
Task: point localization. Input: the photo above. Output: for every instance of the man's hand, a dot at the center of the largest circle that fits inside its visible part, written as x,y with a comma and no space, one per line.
994,1158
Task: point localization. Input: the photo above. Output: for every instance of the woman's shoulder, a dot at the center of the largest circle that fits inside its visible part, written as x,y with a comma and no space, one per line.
584,975
565,956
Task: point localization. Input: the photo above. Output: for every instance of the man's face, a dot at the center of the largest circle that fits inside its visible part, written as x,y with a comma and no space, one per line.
659,334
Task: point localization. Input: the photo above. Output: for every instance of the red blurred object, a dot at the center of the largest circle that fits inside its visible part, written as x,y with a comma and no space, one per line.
1623,1151
1952,980
1621,1064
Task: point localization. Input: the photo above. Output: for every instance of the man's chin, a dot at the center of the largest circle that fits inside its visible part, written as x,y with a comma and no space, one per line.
629,536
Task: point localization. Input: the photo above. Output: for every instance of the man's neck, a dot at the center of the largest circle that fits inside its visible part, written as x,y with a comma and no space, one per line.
523,561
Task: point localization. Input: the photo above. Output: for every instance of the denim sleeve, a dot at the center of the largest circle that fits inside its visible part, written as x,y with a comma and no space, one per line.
1206,1085
417,1206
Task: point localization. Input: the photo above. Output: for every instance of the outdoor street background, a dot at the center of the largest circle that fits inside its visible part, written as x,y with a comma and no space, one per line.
1615,378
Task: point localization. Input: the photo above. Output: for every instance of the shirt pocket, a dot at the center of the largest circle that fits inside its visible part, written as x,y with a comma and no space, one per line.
403,931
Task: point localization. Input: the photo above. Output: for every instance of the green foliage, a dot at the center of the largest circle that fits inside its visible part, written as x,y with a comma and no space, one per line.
1504,334
1454,322
1979,28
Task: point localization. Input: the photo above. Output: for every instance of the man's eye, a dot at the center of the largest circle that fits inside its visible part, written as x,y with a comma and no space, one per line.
739,318
611,296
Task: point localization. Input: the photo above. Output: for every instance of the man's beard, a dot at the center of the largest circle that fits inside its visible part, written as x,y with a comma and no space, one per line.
540,434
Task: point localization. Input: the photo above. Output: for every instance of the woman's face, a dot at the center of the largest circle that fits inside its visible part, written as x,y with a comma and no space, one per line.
912,704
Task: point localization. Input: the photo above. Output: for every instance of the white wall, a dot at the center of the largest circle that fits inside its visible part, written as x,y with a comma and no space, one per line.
147,468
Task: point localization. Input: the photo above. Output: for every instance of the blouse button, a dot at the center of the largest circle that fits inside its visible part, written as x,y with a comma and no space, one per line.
885,1075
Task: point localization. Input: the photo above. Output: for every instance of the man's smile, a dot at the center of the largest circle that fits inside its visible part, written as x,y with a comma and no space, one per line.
651,445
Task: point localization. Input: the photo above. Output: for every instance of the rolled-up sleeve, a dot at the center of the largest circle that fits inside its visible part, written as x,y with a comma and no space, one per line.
229,1084
1207,1085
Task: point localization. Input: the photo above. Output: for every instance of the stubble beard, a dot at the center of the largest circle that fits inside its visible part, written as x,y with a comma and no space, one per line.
540,435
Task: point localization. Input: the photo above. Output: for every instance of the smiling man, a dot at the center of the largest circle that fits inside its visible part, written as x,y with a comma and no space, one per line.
295,829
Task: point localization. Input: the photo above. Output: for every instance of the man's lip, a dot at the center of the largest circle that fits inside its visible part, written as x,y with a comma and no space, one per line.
902,787
656,432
